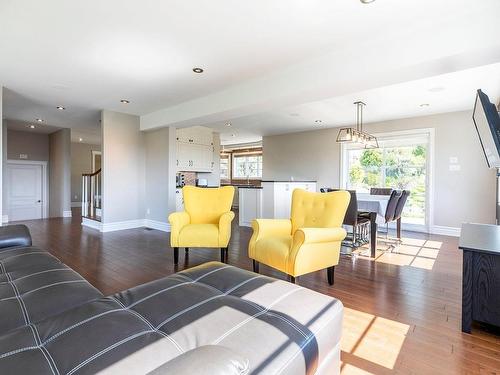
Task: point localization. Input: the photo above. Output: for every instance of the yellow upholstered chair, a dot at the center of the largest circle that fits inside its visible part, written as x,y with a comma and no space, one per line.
309,241
205,221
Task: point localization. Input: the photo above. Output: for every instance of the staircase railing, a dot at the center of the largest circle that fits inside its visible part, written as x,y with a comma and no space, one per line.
91,195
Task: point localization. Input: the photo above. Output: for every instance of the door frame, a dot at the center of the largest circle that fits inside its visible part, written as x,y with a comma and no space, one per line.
45,183
94,153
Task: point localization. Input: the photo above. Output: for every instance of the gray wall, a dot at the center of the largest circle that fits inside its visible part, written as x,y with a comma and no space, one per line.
466,195
160,174
123,174
60,173
34,145
81,162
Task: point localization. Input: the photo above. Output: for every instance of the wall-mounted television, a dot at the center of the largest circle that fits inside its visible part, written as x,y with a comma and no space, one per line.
487,122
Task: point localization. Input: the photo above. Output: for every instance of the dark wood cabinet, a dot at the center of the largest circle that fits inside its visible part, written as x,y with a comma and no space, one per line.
481,274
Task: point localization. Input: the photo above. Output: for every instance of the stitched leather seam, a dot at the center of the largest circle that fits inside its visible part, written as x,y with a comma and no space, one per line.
107,349
32,252
249,319
44,350
54,284
304,344
36,273
199,304
21,303
175,286
48,361
258,307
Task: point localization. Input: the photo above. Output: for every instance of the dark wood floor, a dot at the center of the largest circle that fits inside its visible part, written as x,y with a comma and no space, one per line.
402,311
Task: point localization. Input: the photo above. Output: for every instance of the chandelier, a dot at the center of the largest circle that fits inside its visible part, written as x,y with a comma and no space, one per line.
357,135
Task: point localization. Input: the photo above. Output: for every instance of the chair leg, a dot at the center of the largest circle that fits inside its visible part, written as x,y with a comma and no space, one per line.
292,279
255,266
186,249
176,255
222,255
330,271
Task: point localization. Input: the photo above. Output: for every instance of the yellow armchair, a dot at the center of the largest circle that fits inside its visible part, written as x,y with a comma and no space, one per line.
309,241
206,221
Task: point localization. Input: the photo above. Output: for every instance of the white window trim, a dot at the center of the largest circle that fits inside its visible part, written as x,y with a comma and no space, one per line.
245,154
429,205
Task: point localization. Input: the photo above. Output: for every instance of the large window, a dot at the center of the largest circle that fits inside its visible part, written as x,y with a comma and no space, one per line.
225,171
400,163
247,166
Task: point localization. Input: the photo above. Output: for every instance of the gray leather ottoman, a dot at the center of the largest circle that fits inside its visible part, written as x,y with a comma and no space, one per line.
210,319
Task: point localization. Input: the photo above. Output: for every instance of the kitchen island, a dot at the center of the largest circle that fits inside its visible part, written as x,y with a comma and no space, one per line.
250,204
272,200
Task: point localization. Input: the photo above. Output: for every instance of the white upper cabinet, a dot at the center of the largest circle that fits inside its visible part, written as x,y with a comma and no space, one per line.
195,149
196,135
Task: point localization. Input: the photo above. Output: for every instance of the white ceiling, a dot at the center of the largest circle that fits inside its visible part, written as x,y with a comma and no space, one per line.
445,93
261,59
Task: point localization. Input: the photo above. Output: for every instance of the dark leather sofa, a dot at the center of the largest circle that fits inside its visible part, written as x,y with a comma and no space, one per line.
210,319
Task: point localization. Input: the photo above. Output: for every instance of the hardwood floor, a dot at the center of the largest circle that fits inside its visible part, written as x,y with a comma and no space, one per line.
402,311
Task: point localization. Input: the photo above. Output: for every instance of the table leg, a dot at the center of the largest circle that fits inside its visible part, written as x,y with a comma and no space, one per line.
398,226
373,233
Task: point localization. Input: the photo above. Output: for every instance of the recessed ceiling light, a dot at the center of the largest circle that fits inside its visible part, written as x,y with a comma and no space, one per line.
38,120
424,105
197,70
367,1
228,124
60,107
125,101
80,139
32,126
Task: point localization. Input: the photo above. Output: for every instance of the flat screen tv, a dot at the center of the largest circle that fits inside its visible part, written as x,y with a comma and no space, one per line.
487,122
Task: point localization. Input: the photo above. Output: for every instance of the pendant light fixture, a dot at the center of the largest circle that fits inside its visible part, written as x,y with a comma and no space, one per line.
357,135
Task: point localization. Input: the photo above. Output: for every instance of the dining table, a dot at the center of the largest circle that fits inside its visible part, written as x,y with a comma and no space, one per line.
376,206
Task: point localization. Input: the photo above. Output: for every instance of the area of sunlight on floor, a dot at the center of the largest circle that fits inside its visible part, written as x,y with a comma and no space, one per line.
412,253
371,340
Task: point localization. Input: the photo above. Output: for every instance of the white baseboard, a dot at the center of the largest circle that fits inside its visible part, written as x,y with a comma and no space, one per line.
91,224
128,224
67,213
5,219
122,225
158,225
76,204
445,231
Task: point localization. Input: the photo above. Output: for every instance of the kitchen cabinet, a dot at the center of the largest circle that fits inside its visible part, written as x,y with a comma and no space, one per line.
277,197
250,205
195,149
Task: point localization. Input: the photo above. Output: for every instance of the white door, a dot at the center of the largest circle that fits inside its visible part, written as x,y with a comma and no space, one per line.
24,191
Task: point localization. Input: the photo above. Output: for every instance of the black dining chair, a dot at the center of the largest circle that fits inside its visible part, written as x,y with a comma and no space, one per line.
399,211
380,191
352,218
390,211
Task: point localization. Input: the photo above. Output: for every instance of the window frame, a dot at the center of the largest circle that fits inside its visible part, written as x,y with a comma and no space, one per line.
243,152
429,199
